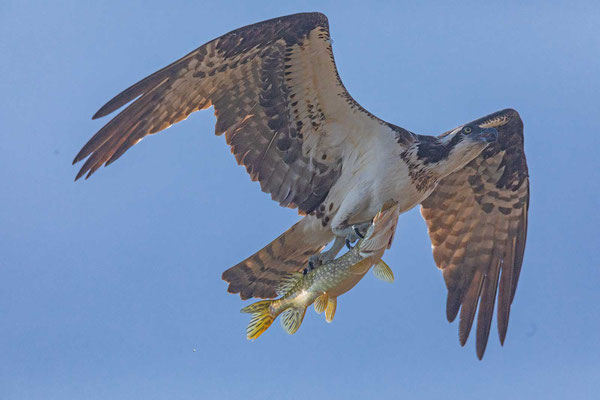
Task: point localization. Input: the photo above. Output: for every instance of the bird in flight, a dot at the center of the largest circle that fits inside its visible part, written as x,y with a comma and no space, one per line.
288,119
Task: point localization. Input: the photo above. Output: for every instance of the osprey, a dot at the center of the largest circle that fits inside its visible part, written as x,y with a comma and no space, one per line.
289,120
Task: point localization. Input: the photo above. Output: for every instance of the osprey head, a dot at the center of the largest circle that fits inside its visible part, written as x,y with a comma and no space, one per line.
453,150
466,143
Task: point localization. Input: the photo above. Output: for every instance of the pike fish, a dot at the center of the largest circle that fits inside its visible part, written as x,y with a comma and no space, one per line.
324,284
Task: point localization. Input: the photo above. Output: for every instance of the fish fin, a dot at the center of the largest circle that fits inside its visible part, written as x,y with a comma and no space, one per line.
291,319
383,272
261,318
330,310
321,303
380,234
287,283
361,267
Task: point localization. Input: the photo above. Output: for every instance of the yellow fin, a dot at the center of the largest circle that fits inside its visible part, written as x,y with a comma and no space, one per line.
321,303
261,318
383,272
291,319
287,283
360,267
330,310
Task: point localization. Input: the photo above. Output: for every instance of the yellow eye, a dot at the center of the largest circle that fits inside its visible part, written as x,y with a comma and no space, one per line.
467,129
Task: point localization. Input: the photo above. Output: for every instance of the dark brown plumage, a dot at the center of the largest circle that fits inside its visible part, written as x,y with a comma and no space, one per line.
477,219
247,75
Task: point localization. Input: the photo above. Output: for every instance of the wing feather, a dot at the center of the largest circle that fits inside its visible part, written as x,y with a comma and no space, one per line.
477,221
276,93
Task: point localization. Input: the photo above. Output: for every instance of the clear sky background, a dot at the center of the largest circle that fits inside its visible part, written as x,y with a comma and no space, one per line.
108,286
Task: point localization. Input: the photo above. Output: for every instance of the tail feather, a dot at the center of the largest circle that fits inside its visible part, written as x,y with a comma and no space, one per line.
261,318
259,274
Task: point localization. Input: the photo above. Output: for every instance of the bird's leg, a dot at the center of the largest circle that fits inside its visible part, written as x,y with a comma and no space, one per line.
344,236
321,258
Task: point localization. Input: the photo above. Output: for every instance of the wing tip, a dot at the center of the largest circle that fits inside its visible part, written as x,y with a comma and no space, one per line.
99,114
481,345
503,325
80,156
480,354
502,337
452,305
79,174
118,101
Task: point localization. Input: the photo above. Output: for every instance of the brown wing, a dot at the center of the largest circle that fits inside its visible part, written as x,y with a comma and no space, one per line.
477,220
277,97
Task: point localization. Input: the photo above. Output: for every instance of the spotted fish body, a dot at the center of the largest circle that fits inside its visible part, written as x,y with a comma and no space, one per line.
300,290
328,301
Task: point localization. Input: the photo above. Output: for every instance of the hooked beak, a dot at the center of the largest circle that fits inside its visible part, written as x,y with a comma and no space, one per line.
489,135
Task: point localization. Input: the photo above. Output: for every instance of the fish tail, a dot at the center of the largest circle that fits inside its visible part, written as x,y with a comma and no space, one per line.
261,318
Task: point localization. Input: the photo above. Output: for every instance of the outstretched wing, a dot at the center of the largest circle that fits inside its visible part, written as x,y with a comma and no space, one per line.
277,97
477,220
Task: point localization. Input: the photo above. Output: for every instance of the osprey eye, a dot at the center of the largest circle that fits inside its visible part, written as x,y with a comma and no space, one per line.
467,129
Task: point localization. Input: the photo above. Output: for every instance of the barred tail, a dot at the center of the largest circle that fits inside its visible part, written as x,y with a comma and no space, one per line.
259,274
261,318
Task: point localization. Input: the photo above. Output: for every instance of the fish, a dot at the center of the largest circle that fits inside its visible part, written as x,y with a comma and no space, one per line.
323,284
327,302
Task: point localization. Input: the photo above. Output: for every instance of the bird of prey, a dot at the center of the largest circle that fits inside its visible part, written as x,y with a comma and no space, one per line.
284,111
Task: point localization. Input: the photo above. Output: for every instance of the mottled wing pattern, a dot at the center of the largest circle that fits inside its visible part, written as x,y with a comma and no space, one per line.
277,97
477,220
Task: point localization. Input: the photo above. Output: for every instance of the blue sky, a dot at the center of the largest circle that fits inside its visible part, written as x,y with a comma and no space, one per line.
108,286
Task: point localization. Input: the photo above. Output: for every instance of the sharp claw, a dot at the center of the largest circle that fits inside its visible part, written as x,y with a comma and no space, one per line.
348,244
357,231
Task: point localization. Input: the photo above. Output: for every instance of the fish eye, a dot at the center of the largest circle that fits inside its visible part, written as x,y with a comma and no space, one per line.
467,130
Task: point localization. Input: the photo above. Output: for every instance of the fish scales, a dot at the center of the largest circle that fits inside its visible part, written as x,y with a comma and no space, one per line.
321,279
299,290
